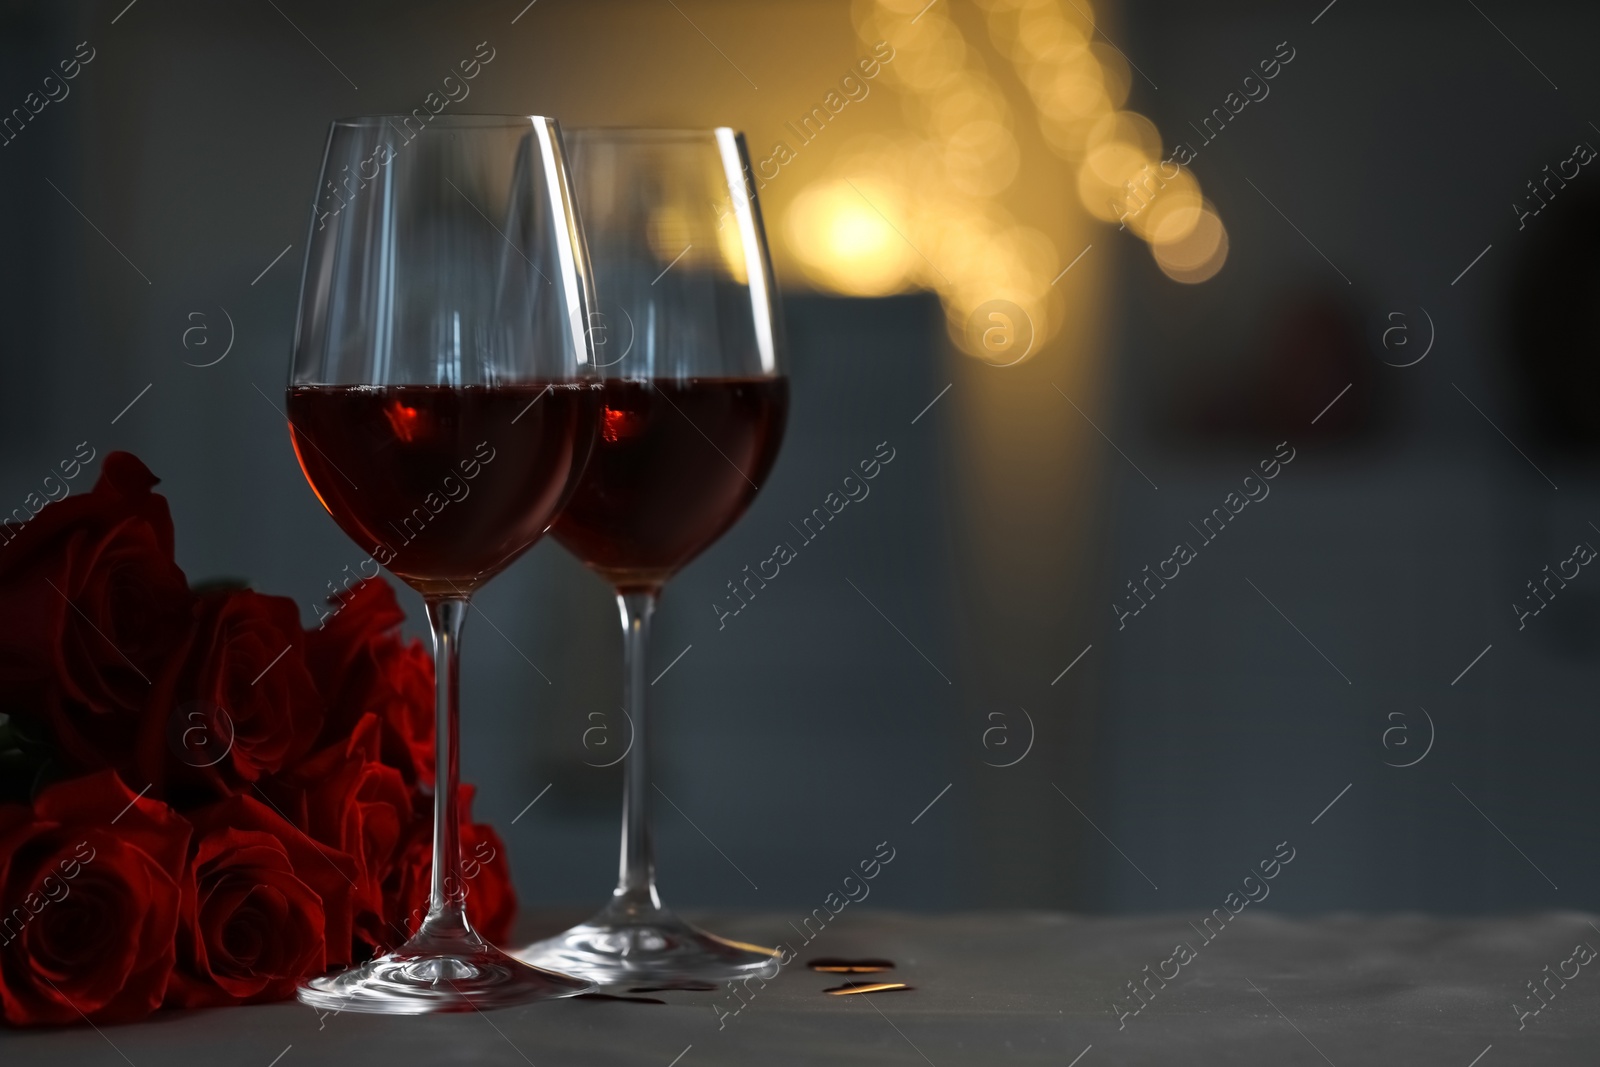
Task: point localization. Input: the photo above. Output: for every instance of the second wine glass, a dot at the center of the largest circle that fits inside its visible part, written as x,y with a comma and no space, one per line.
695,401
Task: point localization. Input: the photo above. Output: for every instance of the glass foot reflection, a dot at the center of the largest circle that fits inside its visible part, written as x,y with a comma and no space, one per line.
653,948
417,979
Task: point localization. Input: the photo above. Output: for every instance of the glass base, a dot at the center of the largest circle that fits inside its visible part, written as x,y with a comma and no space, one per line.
651,948
462,977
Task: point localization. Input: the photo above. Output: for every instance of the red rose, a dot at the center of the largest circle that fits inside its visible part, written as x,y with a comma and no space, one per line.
241,704
89,887
363,666
95,606
491,899
404,700
344,797
264,906
486,879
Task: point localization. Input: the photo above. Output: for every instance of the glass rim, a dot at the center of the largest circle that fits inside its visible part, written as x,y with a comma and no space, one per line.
464,120
646,133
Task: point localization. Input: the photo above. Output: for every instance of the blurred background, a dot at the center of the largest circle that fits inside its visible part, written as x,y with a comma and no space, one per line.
1083,268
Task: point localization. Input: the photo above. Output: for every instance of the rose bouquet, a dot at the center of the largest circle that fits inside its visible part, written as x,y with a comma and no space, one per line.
201,802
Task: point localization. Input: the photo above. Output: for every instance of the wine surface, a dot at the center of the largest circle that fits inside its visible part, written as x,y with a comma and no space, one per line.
676,462
444,486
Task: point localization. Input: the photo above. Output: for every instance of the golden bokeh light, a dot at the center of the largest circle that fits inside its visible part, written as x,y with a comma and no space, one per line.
1069,93
843,241
927,206
965,102
1161,209
1128,126
1113,162
1104,175
1043,34
932,49
981,158
1198,256
1119,79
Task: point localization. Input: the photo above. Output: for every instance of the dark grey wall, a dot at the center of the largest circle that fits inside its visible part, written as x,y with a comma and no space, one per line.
809,729
1396,542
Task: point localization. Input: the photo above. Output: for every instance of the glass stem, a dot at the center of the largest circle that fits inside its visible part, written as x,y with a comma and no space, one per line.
447,915
636,879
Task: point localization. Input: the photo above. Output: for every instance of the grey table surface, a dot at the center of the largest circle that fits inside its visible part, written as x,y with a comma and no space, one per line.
994,988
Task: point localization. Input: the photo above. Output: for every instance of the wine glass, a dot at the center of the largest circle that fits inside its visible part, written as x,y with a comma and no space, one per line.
442,404
687,342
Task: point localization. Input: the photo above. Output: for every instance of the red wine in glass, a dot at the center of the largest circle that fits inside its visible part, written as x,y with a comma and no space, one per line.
444,486
694,410
675,464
